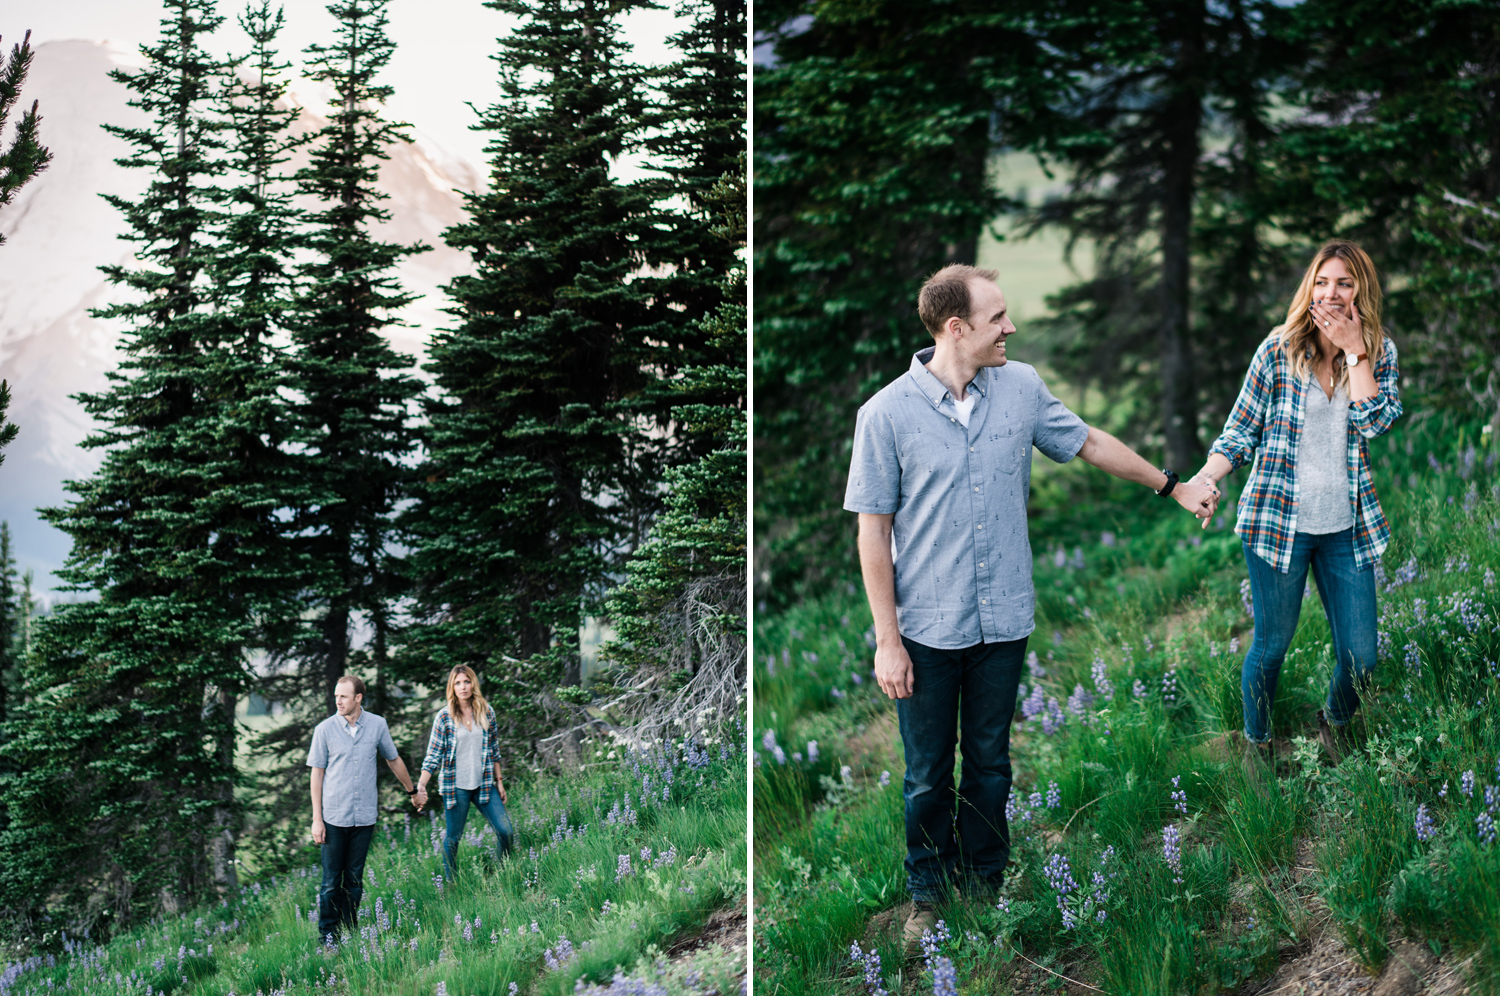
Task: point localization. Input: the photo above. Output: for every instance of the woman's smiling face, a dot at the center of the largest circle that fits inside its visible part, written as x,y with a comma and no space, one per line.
1334,285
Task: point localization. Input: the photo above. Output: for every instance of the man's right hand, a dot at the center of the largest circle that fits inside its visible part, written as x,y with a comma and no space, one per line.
893,670
319,834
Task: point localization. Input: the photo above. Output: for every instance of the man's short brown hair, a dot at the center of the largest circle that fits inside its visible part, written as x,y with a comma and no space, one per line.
945,295
349,679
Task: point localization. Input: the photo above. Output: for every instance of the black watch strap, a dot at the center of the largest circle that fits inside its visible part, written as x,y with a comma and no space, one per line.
1166,489
412,790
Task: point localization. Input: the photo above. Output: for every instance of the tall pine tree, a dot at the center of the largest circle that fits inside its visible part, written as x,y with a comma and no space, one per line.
124,804
352,389
540,473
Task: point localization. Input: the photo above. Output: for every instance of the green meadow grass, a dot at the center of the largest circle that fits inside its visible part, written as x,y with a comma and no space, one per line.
1158,602
612,865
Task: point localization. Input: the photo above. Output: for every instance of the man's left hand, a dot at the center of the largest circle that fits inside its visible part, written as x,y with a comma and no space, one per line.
500,787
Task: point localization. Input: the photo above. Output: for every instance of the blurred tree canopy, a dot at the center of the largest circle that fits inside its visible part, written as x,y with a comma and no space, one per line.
1207,148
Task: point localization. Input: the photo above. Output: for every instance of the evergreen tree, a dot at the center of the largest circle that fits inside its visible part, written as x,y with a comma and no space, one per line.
26,156
352,389
679,661
554,429
1154,86
124,798
254,289
874,127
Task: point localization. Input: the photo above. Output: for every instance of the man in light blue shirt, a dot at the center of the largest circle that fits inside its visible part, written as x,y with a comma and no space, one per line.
940,474
346,801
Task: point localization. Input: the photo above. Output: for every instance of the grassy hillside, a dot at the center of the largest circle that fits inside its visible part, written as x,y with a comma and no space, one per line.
1142,861
619,869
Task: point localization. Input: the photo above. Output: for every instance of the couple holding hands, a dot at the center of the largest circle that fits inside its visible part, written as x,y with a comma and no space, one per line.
940,475
463,751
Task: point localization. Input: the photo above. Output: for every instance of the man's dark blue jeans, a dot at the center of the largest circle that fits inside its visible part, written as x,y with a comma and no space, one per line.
958,836
344,852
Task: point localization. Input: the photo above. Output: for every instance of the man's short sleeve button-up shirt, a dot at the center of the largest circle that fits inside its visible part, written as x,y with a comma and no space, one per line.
958,496
350,798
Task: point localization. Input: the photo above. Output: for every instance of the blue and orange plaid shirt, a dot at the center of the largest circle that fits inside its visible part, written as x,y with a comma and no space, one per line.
442,758
1267,421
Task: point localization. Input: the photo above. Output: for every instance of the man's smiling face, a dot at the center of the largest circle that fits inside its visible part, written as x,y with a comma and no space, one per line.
987,327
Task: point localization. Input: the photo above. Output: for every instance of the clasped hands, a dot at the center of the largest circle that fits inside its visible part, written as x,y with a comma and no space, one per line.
1199,495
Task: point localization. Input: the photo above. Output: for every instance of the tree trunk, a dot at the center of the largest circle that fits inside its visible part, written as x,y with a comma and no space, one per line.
221,844
1183,115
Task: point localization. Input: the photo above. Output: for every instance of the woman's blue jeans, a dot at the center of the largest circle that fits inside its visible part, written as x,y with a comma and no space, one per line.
1348,595
457,815
960,834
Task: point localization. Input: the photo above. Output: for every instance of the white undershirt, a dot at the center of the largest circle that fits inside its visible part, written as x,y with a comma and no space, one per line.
964,408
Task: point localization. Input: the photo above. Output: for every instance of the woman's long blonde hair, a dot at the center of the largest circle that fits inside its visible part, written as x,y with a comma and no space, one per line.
1300,333
477,703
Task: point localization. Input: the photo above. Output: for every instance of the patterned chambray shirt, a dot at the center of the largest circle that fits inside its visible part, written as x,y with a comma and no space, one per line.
1267,420
963,560
442,758
350,795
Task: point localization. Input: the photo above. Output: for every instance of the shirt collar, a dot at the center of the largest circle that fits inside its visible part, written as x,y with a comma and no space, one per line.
358,718
932,388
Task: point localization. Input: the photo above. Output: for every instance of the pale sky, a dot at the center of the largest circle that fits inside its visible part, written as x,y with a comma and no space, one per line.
441,58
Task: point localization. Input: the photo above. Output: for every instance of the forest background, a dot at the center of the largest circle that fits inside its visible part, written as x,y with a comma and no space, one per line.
1168,168
283,500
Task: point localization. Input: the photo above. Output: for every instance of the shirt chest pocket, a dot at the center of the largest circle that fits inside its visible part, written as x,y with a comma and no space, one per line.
1008,449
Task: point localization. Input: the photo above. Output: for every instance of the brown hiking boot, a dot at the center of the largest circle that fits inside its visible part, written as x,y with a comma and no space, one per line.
923,919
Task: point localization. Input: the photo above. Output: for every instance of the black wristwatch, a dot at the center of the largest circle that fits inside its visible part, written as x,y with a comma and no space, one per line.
1166,489
412,790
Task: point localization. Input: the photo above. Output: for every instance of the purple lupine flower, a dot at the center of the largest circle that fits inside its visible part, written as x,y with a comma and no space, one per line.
1179,796
1059,875
1413,659
1485,826
944,978
1080,701
1034,704
1100,672
1034,666
1169,686
779,754
812,752
869,963
885,778
1443,792
1245,599
855,677
1234,645
1054,795
1424,825
622,868
1138,690
1171,849
1466,783
441,990
1035,801
846,773
1491,799
1003,905
768,740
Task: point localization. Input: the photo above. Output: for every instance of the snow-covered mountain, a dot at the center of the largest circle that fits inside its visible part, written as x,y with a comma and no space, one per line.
59,231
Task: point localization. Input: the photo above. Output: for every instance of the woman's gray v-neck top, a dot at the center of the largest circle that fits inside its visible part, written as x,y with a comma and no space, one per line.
1323,503
468,759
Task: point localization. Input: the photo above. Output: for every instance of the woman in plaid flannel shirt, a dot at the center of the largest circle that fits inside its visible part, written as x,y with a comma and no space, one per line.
1318,387
464,750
